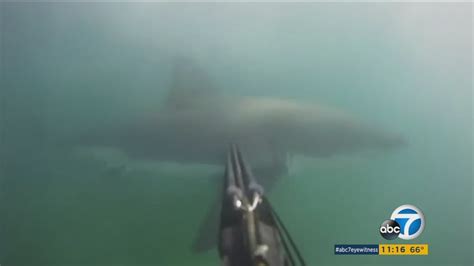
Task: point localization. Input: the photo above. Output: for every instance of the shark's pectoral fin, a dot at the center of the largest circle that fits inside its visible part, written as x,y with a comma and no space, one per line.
206,236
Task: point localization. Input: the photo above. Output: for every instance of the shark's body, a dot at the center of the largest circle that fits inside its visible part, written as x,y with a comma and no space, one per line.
264,128
198,124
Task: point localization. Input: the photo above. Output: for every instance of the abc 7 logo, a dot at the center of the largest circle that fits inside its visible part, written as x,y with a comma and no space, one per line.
407,222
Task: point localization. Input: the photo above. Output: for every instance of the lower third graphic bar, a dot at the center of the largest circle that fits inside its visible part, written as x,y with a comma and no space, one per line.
356,249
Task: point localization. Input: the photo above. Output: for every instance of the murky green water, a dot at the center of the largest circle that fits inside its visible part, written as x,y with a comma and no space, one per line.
69,67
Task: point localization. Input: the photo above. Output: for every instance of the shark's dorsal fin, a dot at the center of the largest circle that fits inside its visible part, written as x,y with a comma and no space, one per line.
190,85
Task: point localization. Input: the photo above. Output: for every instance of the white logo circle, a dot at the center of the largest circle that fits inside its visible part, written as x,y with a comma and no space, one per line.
411,221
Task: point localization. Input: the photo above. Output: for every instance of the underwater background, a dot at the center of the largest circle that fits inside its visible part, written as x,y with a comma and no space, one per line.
69,67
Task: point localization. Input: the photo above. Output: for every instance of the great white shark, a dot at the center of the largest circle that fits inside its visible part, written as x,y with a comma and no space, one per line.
197,124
